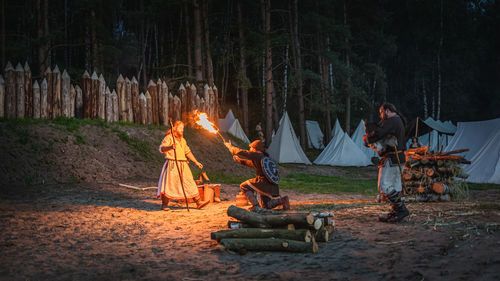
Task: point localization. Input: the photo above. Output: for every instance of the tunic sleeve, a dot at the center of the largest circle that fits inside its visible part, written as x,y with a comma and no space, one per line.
187,150
166,142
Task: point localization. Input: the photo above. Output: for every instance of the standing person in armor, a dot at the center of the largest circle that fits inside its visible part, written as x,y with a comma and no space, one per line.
266,181
389,175
170,186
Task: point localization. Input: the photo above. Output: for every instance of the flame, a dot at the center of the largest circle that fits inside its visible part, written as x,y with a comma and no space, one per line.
202,120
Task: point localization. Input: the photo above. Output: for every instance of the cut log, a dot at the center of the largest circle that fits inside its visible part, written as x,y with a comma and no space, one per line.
65,94
149,109
28,90
35,100
143,109
321,235
93,95
154,102
20,93
56,91
10,91
237,225
109,105
184,104
72,101
454,151
258,220
122,100
136,112
430,172
114,100
50,91
440,188
164,103
242,245
330,228
299,235
44,111
101,99
128,100
78,102
86,89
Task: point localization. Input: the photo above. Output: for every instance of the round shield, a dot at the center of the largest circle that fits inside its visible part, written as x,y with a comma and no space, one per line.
270,170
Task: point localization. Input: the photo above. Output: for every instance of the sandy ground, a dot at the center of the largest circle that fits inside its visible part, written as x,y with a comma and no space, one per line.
107,232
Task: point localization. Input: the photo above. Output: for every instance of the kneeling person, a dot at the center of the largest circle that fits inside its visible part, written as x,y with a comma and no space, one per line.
267,189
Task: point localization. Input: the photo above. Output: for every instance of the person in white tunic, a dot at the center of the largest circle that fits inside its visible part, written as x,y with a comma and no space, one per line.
169,184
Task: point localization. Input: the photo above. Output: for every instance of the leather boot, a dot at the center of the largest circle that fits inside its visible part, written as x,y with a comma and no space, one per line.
200,204
164,203
285,203
399,210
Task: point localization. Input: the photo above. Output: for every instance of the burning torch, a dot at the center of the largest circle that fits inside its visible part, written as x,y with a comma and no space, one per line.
201,119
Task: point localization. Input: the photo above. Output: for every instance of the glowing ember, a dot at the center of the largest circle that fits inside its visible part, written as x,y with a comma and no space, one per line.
202,120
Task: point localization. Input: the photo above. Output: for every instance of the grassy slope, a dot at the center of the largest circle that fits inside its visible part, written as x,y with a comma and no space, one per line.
21,137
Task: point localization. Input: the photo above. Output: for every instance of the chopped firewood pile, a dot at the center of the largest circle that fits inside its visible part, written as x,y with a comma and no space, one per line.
274,230
433,176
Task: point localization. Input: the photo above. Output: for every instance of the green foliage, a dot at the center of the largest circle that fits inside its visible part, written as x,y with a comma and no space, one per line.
327,184
79,139
483,186
139,146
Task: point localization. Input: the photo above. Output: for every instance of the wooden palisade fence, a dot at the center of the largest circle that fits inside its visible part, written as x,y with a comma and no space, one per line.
55,96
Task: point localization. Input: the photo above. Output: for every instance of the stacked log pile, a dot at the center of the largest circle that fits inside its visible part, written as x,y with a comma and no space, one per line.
270,230
55,96
432,176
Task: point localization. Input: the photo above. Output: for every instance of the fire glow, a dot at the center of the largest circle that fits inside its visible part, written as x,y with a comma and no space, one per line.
201,119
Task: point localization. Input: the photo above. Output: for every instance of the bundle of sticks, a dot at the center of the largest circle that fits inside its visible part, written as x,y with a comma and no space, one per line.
431,176
271,230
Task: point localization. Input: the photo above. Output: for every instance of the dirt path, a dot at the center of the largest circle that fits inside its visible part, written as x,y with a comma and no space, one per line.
89,232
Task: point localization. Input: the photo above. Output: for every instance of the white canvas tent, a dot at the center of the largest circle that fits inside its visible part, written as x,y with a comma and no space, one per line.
342,152
237,131
482,138
285,147
225,123
357,138
314,135
337,130
231,125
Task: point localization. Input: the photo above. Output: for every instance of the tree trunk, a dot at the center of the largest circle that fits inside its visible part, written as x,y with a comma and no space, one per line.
187,22
93,35
299,235
242,245
206,32
438,116
243,70
197,41
298,59
2,38
347,87
266,6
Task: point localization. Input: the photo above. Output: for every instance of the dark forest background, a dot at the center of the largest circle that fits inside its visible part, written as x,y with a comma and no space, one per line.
319,60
